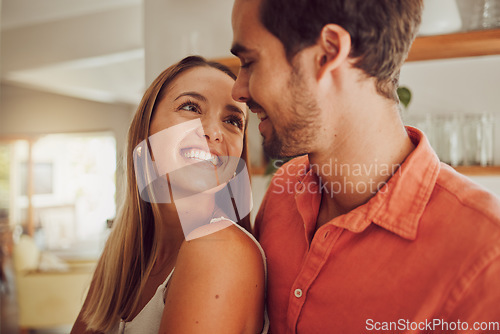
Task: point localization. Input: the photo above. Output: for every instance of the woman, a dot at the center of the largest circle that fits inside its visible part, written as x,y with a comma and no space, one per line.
196,133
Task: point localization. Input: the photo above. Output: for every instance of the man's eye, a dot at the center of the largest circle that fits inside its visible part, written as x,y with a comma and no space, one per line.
246,64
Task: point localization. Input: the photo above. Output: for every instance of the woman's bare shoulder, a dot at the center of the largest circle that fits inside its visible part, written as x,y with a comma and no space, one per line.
220,238
219,275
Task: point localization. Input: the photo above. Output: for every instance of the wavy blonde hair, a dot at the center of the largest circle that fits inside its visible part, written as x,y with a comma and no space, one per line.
132,247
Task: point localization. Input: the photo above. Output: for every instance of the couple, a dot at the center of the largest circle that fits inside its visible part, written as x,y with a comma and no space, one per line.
346,252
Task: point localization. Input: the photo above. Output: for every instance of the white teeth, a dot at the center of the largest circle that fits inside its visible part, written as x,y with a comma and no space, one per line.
201,155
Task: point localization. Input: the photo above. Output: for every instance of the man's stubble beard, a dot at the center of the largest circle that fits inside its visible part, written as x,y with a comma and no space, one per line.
298,136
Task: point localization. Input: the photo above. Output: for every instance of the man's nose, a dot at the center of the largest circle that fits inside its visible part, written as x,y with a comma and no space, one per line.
240,91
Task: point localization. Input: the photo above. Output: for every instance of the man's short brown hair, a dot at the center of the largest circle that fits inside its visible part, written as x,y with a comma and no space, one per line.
381,31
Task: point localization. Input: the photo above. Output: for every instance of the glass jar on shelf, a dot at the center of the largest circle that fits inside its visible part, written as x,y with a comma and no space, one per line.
478,139
448,138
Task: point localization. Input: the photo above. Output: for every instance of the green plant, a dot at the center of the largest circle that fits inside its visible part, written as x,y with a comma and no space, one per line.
404,94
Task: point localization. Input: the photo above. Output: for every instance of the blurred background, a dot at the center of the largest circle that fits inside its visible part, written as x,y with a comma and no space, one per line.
73,73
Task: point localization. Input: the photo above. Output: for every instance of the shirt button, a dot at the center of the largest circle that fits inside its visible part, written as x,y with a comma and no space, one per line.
298,293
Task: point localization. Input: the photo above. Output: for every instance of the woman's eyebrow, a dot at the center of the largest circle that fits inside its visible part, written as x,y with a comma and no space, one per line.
235,109
192,94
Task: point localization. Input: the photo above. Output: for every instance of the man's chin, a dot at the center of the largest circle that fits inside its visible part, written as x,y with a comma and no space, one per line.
274,149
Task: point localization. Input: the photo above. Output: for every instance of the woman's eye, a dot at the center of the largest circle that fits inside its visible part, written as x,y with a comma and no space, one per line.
236,122
190,106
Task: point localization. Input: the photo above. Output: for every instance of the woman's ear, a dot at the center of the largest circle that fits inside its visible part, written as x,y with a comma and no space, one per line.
334,47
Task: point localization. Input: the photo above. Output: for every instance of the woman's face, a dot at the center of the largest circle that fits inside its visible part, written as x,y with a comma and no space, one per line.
197,129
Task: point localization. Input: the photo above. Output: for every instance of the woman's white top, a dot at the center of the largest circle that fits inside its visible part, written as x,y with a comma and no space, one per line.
149,318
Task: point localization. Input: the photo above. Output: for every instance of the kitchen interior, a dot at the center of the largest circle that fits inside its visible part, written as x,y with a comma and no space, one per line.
73,73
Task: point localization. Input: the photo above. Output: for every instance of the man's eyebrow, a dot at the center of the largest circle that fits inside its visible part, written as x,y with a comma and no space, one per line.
237,48
193,94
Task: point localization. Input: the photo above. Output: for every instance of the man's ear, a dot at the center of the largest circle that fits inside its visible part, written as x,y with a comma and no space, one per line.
334,47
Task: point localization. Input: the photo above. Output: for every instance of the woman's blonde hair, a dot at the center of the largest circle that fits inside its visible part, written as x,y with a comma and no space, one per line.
131,250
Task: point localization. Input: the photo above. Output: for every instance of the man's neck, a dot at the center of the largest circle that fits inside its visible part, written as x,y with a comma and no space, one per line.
353,171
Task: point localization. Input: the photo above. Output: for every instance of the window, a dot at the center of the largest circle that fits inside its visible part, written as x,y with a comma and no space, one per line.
60,187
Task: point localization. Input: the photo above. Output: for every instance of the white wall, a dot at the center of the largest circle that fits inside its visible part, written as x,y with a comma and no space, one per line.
189,26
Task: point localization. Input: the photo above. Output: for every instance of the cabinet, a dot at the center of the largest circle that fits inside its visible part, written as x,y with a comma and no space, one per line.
457,45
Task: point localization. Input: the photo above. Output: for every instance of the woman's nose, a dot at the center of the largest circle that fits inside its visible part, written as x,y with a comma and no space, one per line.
211,130
240,91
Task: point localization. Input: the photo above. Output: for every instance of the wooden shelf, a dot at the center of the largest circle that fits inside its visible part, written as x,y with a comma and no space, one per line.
478,170
464,44
232,62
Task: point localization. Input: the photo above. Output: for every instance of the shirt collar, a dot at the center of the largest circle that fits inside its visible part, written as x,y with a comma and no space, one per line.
400,203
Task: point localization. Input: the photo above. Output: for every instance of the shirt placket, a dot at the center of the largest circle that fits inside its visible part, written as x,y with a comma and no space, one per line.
319,251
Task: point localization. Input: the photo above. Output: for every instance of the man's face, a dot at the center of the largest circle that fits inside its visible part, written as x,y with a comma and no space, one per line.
277,91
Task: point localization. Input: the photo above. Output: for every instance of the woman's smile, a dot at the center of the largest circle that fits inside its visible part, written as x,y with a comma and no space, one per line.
198,154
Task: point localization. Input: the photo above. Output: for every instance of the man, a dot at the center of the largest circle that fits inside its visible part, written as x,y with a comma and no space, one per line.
367,231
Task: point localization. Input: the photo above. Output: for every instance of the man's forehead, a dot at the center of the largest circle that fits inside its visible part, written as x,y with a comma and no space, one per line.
247,9
245,23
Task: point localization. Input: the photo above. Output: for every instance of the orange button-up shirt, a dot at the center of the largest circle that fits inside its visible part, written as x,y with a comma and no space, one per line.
425,249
